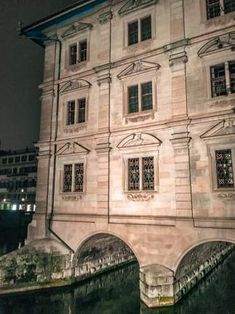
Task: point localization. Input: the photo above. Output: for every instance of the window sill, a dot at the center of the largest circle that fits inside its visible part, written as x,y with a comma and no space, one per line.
72,196
140,45
75,127
139,116
222,100
77,66
140,196
225,194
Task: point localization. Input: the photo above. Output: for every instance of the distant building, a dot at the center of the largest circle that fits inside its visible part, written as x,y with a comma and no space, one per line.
18,174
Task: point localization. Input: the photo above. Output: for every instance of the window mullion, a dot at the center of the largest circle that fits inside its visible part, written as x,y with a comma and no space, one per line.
73,177
227,77
222,7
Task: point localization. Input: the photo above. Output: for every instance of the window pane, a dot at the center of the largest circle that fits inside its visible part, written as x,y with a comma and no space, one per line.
78,177
70,112
133,104
229,6
232,76
133,174
82,51
73,54
81,110
132,33
67,180
146,31
146,96
213,8
224,168
148,173
218,83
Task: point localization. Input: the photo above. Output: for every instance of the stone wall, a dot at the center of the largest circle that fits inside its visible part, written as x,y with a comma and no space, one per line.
34,267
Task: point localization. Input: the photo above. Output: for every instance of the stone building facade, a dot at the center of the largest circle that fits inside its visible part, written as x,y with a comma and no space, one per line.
138,125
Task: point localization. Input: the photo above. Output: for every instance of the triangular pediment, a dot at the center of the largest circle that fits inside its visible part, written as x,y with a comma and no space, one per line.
72,148
138,67
73,85
76,28
133,5
226,41
223,128
139,139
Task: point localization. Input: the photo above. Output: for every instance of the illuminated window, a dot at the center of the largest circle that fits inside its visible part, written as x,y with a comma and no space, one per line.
73,177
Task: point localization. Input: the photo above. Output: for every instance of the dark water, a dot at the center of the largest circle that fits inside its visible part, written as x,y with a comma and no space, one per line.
118,293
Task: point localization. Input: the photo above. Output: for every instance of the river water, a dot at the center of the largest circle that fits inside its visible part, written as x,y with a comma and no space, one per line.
117,292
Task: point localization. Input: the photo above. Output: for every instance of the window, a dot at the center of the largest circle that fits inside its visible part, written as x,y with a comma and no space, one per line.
76,111
10,160
4,160
219,7
223,79
17,159
140,97
141,174
224,168
78,52
73,177
24,158
139,30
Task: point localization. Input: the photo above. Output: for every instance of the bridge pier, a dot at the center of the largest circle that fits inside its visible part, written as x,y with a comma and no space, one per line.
156,286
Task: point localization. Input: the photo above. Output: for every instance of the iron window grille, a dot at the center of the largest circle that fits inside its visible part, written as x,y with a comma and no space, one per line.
219,7
224,168
223,79
139,30
78,52
140,97
76,111
73,177
141,174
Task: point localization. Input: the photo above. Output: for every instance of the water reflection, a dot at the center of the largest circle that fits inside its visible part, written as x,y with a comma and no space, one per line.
117,292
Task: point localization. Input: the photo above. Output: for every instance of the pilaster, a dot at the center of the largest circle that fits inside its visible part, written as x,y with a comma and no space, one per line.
180,141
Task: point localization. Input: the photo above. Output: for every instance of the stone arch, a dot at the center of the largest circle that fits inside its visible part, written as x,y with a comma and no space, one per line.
197,261
101,251
183,253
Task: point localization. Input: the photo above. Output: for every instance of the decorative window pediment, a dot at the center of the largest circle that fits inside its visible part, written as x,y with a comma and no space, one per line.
76,28
72,148
138,67
133,5
139,139
224,128
73,85
223,42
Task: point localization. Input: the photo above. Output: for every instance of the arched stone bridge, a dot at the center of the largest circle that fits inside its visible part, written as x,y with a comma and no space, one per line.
172,259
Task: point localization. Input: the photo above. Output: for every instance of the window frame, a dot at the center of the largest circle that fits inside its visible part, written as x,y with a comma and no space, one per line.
139,21
221,4
212,149
73,162
76,111
139,86
227,78
78,54
134,153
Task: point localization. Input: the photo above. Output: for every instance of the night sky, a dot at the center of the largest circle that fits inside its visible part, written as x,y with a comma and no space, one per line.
21,66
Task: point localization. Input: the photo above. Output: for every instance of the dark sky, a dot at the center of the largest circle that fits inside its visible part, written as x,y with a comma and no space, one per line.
21,65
